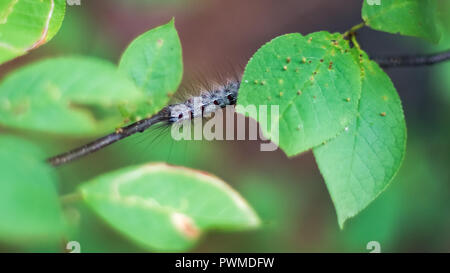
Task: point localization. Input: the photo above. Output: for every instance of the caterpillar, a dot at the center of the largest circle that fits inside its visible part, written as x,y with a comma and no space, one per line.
206,103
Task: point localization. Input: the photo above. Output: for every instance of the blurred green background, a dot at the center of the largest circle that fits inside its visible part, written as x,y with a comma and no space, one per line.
218,37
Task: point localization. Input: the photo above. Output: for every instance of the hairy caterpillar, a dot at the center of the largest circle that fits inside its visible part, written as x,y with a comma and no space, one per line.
207,102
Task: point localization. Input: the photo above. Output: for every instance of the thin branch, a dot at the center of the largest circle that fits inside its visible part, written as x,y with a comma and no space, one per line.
401,61
101,143
354,29
412,60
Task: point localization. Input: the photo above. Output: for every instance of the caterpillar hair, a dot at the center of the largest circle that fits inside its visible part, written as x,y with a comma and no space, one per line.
203,105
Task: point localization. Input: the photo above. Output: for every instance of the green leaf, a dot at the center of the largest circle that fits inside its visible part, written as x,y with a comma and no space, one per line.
29,204
27,24
315,81
154,62
164,207
359,164
74,96
418,18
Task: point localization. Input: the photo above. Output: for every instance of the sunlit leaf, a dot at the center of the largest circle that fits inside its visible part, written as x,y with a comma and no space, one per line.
315,81
360,163
417,18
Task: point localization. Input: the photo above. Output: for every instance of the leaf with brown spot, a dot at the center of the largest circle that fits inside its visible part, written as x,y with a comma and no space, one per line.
166,208
359,164
319,107
43,20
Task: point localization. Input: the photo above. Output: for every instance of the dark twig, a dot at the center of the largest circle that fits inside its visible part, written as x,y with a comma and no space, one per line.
100,143
412,60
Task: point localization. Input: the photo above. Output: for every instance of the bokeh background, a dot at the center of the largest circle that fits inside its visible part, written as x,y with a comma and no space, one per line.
218,37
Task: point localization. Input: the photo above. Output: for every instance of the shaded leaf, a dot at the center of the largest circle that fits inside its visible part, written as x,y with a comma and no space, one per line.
73,95
154,61
29,204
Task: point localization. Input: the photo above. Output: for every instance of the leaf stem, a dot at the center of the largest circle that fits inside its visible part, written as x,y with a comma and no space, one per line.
354,29
354,41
